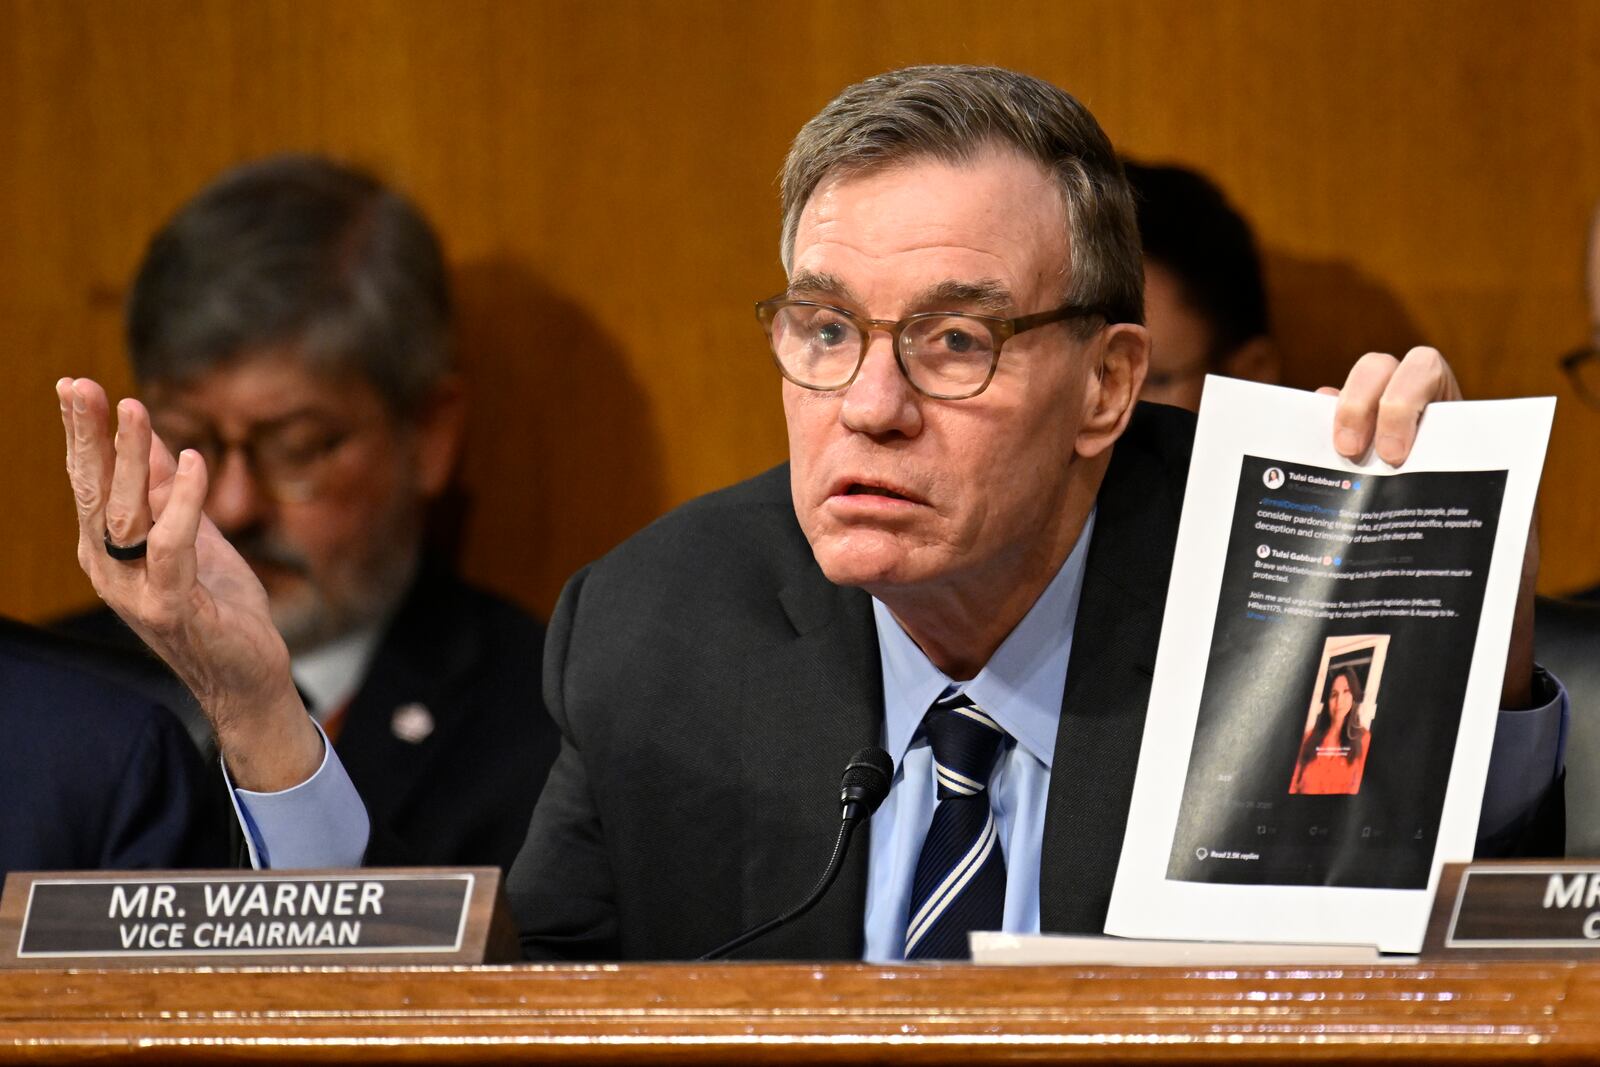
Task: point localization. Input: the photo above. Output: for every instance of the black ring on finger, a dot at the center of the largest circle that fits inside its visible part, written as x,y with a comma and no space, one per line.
125,553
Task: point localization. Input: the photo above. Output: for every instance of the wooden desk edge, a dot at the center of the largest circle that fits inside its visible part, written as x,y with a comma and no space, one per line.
743,1013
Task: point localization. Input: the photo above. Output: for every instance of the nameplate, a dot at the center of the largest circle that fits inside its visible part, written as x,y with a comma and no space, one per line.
228,918
1511,909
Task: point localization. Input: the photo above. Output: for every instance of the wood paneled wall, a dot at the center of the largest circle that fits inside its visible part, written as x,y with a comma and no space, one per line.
603,175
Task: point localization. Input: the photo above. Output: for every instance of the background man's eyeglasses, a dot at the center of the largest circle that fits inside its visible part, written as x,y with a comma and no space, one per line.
946,355
289,464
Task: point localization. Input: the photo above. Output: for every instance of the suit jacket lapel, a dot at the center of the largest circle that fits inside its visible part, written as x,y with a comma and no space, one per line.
418,662
808,705
1108,687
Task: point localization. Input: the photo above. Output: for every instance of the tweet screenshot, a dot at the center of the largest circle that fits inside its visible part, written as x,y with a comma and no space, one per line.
1328,716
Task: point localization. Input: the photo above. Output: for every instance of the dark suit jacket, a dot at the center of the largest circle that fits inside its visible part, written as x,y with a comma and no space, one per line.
92,774
711,684
1567,641
463,795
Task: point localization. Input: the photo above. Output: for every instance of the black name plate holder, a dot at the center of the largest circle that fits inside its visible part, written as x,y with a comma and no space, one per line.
1516,909
254,918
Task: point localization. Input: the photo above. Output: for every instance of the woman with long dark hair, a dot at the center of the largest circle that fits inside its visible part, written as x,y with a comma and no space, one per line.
1334,752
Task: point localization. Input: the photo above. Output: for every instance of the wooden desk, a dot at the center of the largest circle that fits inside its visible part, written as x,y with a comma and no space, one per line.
743,1013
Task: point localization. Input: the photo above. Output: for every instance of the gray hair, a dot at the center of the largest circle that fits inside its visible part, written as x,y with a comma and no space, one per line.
300,251
953,114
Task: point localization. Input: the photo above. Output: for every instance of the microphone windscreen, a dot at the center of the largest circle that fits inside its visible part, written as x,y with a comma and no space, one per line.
867,777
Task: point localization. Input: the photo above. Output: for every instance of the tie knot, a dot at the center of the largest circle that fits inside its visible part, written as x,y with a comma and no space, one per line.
965,741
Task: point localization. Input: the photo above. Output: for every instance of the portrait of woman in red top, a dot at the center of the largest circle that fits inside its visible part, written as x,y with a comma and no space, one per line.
1334,751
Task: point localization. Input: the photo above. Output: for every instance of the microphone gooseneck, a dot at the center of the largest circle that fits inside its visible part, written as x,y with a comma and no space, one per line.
861,789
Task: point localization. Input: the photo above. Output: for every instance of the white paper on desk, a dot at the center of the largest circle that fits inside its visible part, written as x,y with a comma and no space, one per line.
1297,573
1059,950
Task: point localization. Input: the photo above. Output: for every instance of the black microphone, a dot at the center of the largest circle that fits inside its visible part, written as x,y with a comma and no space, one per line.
862,788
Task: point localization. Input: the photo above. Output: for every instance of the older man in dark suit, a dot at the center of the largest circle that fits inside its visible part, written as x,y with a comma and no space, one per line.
291,324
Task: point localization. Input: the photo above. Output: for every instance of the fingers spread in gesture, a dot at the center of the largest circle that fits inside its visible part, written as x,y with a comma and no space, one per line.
189,595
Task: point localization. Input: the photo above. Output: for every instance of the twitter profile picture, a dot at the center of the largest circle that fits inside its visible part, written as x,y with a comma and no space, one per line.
1273,477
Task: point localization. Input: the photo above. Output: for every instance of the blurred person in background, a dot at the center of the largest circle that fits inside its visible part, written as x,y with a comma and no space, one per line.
1582,364
291,323
1204,300
1567,629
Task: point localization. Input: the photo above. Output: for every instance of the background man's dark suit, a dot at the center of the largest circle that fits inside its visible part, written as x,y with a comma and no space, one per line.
464,793
92,773
712,684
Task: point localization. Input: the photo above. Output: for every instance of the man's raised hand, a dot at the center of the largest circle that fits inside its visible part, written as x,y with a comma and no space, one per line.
190,596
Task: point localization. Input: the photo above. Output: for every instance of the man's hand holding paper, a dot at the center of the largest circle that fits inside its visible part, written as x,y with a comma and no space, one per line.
1380,409
1314,753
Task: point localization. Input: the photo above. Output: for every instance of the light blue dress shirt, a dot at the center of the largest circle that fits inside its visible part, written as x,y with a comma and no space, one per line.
322,822
1020,687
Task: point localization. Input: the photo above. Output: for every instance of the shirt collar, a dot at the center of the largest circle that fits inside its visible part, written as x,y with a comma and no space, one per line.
1021,685
330,674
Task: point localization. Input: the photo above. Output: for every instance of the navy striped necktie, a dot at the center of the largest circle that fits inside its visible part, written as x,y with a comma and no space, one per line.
960,882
